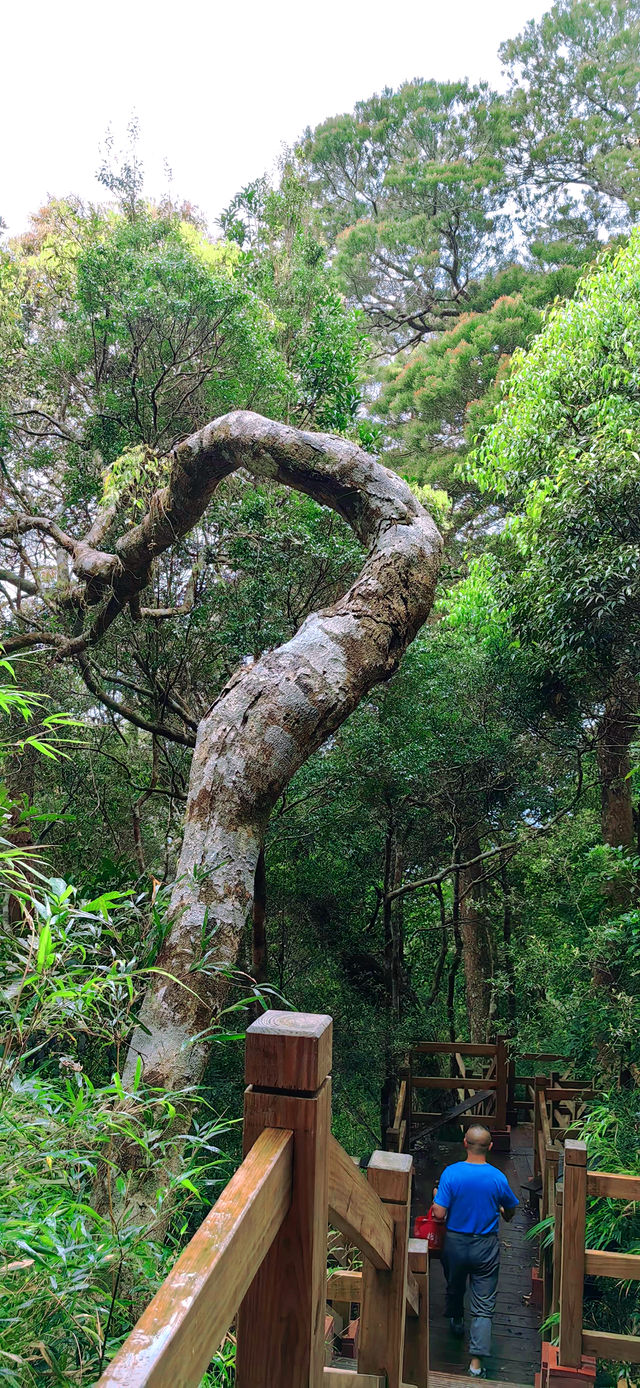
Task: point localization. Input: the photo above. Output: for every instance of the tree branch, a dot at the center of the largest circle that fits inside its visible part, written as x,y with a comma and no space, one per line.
126,711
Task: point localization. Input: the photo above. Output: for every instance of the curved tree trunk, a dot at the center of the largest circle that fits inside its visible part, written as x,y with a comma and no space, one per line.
272,716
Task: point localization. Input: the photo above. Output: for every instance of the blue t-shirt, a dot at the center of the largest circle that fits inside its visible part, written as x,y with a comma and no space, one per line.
473,1192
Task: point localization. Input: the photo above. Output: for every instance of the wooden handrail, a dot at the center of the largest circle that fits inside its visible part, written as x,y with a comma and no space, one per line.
442,1082
259,1257
344,1286
572,1091
623,1266
545,1057
604,1345
188,1317
450,1048
346,1378
347,1286
615,1184
357,1211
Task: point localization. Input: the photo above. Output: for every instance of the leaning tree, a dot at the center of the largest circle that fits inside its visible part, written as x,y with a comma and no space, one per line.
271,715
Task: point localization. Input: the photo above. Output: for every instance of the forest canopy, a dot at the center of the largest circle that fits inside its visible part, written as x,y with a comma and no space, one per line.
320,648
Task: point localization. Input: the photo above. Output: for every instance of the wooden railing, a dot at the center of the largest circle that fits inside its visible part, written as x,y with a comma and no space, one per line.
563,1265
260,1255
487,1094
565,1095
576,1260
550,1097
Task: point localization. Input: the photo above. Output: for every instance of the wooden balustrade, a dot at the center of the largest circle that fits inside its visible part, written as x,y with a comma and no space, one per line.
176,1336
575,1260
489,1094
259,1257
260,1254
355,1211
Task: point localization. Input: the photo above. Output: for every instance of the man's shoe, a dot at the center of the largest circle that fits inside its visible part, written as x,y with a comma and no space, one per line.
477,1373
457,1328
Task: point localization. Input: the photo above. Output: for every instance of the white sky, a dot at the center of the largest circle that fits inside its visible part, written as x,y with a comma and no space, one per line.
218,87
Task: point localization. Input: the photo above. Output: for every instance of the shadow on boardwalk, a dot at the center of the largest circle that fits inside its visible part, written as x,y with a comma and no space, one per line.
516,1340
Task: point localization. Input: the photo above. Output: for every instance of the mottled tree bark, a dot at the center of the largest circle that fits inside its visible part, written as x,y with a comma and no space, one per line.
272,716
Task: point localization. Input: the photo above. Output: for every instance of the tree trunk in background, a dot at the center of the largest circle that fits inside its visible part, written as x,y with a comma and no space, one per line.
259,946
260,958
616,733
392,919
455,963
507,939
475,942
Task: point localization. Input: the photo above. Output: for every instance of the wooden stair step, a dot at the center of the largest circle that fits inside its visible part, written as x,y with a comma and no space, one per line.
439,1380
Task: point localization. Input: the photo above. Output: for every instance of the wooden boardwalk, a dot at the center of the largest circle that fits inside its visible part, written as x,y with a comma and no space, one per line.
516,1339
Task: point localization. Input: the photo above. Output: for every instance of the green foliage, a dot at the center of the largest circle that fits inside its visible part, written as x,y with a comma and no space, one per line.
23,704
132,479
563,450
443,230
574,101
410,187
138,330
436,400
69,983
72,971
321,339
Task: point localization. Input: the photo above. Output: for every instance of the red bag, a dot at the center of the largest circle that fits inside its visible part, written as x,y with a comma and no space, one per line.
432,1229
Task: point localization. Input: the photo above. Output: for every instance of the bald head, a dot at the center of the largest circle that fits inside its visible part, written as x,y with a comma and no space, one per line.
478,1140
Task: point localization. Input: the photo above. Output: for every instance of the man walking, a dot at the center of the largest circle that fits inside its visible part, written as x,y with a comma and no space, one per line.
471,1196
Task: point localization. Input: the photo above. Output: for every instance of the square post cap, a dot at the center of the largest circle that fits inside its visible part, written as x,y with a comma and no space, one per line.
289,1050
390,1175
575,1152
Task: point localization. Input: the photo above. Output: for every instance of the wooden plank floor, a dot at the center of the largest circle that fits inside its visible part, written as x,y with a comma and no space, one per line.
516,1341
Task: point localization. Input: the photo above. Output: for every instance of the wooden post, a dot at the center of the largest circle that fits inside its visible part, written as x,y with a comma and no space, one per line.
416,1341
502,1077
382,1314
405,1133
572,1259
512,1112
557,1250
552,1156
540,1083
281,1321
410,1102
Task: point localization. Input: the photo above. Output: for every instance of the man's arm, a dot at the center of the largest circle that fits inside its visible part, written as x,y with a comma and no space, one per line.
441,1197
509,1203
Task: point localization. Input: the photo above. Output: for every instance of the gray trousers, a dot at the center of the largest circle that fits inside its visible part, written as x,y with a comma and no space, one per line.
477,1257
